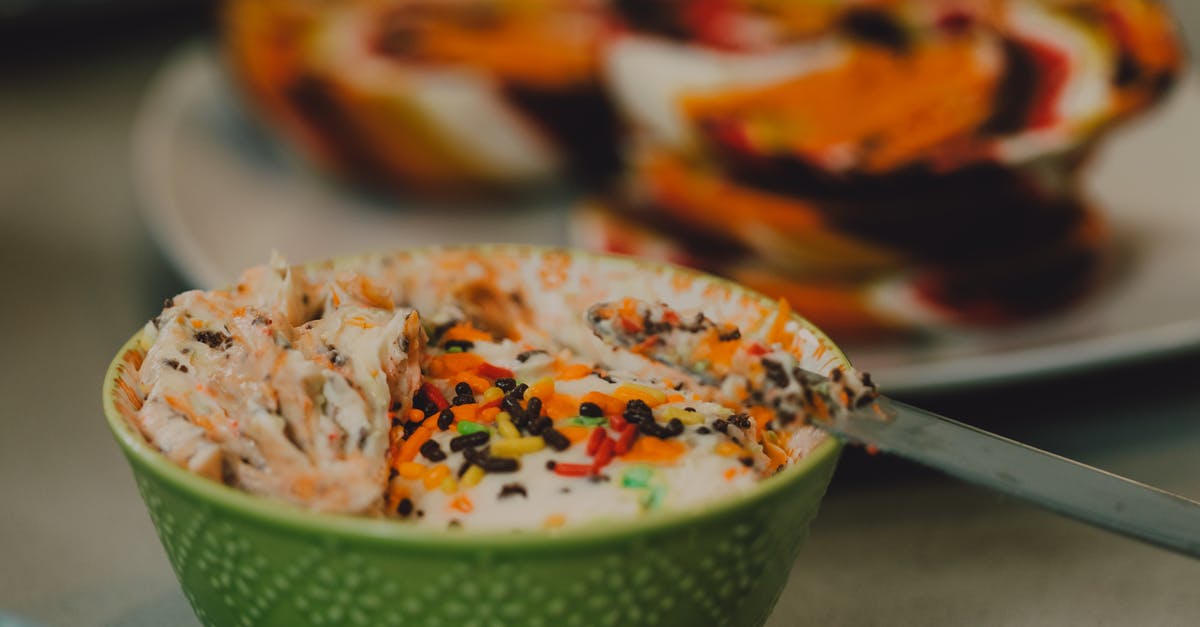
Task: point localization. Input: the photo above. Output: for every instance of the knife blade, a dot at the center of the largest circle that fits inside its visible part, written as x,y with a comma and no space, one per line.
1053,482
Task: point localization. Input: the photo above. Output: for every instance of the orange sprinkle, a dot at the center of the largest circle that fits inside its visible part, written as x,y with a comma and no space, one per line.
467,331
373,294
478,384
575,433
489,415
572,372
130,394
134,358
196,324
554,521
465,412
761,416
408,450
360,322
611,405
778,456
239,312
435,476
542,389
782,314
675,398
715,351
415,415
561,406
728,449
730,474
627,392
462,503
452,363
337,300
655,451
412,470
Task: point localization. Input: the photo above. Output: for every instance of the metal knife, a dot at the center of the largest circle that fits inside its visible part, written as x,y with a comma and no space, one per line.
1045,479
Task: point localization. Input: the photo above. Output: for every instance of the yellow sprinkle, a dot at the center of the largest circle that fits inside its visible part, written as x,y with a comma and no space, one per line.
553,521
412,470
516,447
630,391
505,426
436,475
492,394
471,478
684,416
449,485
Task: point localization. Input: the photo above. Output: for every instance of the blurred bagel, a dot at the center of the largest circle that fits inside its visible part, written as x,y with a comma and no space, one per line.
437,95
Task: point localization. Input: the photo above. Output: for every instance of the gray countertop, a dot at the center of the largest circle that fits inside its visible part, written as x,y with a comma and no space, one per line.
893,545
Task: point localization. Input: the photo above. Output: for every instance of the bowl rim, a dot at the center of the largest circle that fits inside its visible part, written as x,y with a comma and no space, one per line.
279,513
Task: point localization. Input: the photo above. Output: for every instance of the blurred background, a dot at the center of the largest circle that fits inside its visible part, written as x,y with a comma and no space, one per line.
991,204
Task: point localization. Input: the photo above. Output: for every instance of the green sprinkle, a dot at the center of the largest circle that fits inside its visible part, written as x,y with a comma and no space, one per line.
587,421
466,426
637,477
654,497
454,349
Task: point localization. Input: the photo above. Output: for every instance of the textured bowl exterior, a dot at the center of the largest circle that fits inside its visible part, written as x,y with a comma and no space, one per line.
245,560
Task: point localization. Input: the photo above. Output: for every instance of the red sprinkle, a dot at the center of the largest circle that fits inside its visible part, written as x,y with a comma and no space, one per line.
572,470
626,440
492,403
593,443
756,349
494,372
434,395
617,423
603,455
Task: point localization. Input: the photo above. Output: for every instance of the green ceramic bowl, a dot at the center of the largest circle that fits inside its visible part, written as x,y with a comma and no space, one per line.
246,560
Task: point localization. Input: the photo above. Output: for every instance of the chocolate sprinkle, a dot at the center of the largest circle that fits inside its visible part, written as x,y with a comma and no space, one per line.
775,373
590,410
512,489
471,439
433,451
555,439
445,419
524,357
214,339
539,426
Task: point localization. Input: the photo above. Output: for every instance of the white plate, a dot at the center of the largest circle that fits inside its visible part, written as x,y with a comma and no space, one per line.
218,195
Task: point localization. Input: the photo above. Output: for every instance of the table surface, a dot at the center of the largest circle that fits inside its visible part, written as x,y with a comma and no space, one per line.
894,544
